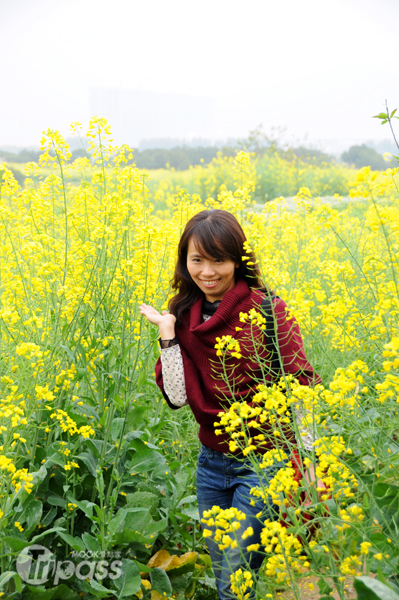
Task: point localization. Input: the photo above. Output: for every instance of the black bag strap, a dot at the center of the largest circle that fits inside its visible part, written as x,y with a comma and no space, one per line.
270,334
272,346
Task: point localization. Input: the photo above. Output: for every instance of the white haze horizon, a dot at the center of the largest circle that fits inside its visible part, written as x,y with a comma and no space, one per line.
210,71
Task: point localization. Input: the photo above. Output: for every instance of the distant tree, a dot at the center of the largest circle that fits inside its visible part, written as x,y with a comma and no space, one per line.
260,142
180,158
363,156
20,177
152,158
309,155
23,156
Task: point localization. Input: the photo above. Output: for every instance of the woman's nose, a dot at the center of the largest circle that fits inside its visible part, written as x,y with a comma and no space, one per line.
208,270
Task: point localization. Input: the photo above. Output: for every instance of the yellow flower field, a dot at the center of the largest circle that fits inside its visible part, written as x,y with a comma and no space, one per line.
91,458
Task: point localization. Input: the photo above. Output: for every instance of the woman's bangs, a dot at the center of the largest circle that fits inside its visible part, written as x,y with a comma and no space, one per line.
209,245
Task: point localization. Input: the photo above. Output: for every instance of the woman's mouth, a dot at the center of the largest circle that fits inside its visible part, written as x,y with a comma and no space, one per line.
210,283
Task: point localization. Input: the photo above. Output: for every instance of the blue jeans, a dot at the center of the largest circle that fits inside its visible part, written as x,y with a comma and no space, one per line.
226,482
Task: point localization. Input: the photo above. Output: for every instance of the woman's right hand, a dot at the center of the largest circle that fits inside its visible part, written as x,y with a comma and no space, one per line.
165,321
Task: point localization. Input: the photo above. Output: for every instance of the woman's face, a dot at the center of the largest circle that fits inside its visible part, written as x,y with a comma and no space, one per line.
214,276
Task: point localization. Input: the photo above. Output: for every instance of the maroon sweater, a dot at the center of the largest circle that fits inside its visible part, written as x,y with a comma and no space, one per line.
207,393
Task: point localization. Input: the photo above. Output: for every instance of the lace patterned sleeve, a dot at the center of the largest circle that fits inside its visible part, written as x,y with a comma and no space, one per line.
306,427
173,375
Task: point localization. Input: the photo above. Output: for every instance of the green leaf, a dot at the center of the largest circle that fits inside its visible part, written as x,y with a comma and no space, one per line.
68,352
393,112
157,427
383,579
100,588
181,582
188,500
189,591
117,400
160,582
84,505
50,516
380,115
145,459
39,476
60,592
90,462
16,544
135,418
54,459
133,435
42,535
97,447
129,582
116,428
211,582
372,589
18,583
74,543
85,410
192,512
140,528
132,518
55,500
114,523
33,510
141,379
6,576
323,586
146,499
206,559
143,568
91,542
81,373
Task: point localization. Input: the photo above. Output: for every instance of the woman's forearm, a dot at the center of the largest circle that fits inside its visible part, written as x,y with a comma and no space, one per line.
173,375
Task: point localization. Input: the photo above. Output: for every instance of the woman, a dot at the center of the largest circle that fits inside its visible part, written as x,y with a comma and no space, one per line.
214,284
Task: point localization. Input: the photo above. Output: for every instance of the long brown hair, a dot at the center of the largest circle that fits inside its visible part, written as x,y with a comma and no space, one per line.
217,234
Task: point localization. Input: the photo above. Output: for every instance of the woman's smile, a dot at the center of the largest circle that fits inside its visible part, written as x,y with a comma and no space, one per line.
210,283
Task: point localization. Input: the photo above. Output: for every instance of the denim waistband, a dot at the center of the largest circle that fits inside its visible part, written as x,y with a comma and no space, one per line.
217,452
228,455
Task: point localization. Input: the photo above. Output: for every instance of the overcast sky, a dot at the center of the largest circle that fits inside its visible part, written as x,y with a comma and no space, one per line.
320,68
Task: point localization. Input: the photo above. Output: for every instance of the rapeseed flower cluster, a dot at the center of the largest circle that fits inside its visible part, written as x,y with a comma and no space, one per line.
389,388
285,552
335,474
254,317
17,478
352,515
223,522
241,581
353,565
227,344
282,485
268,412
69,426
